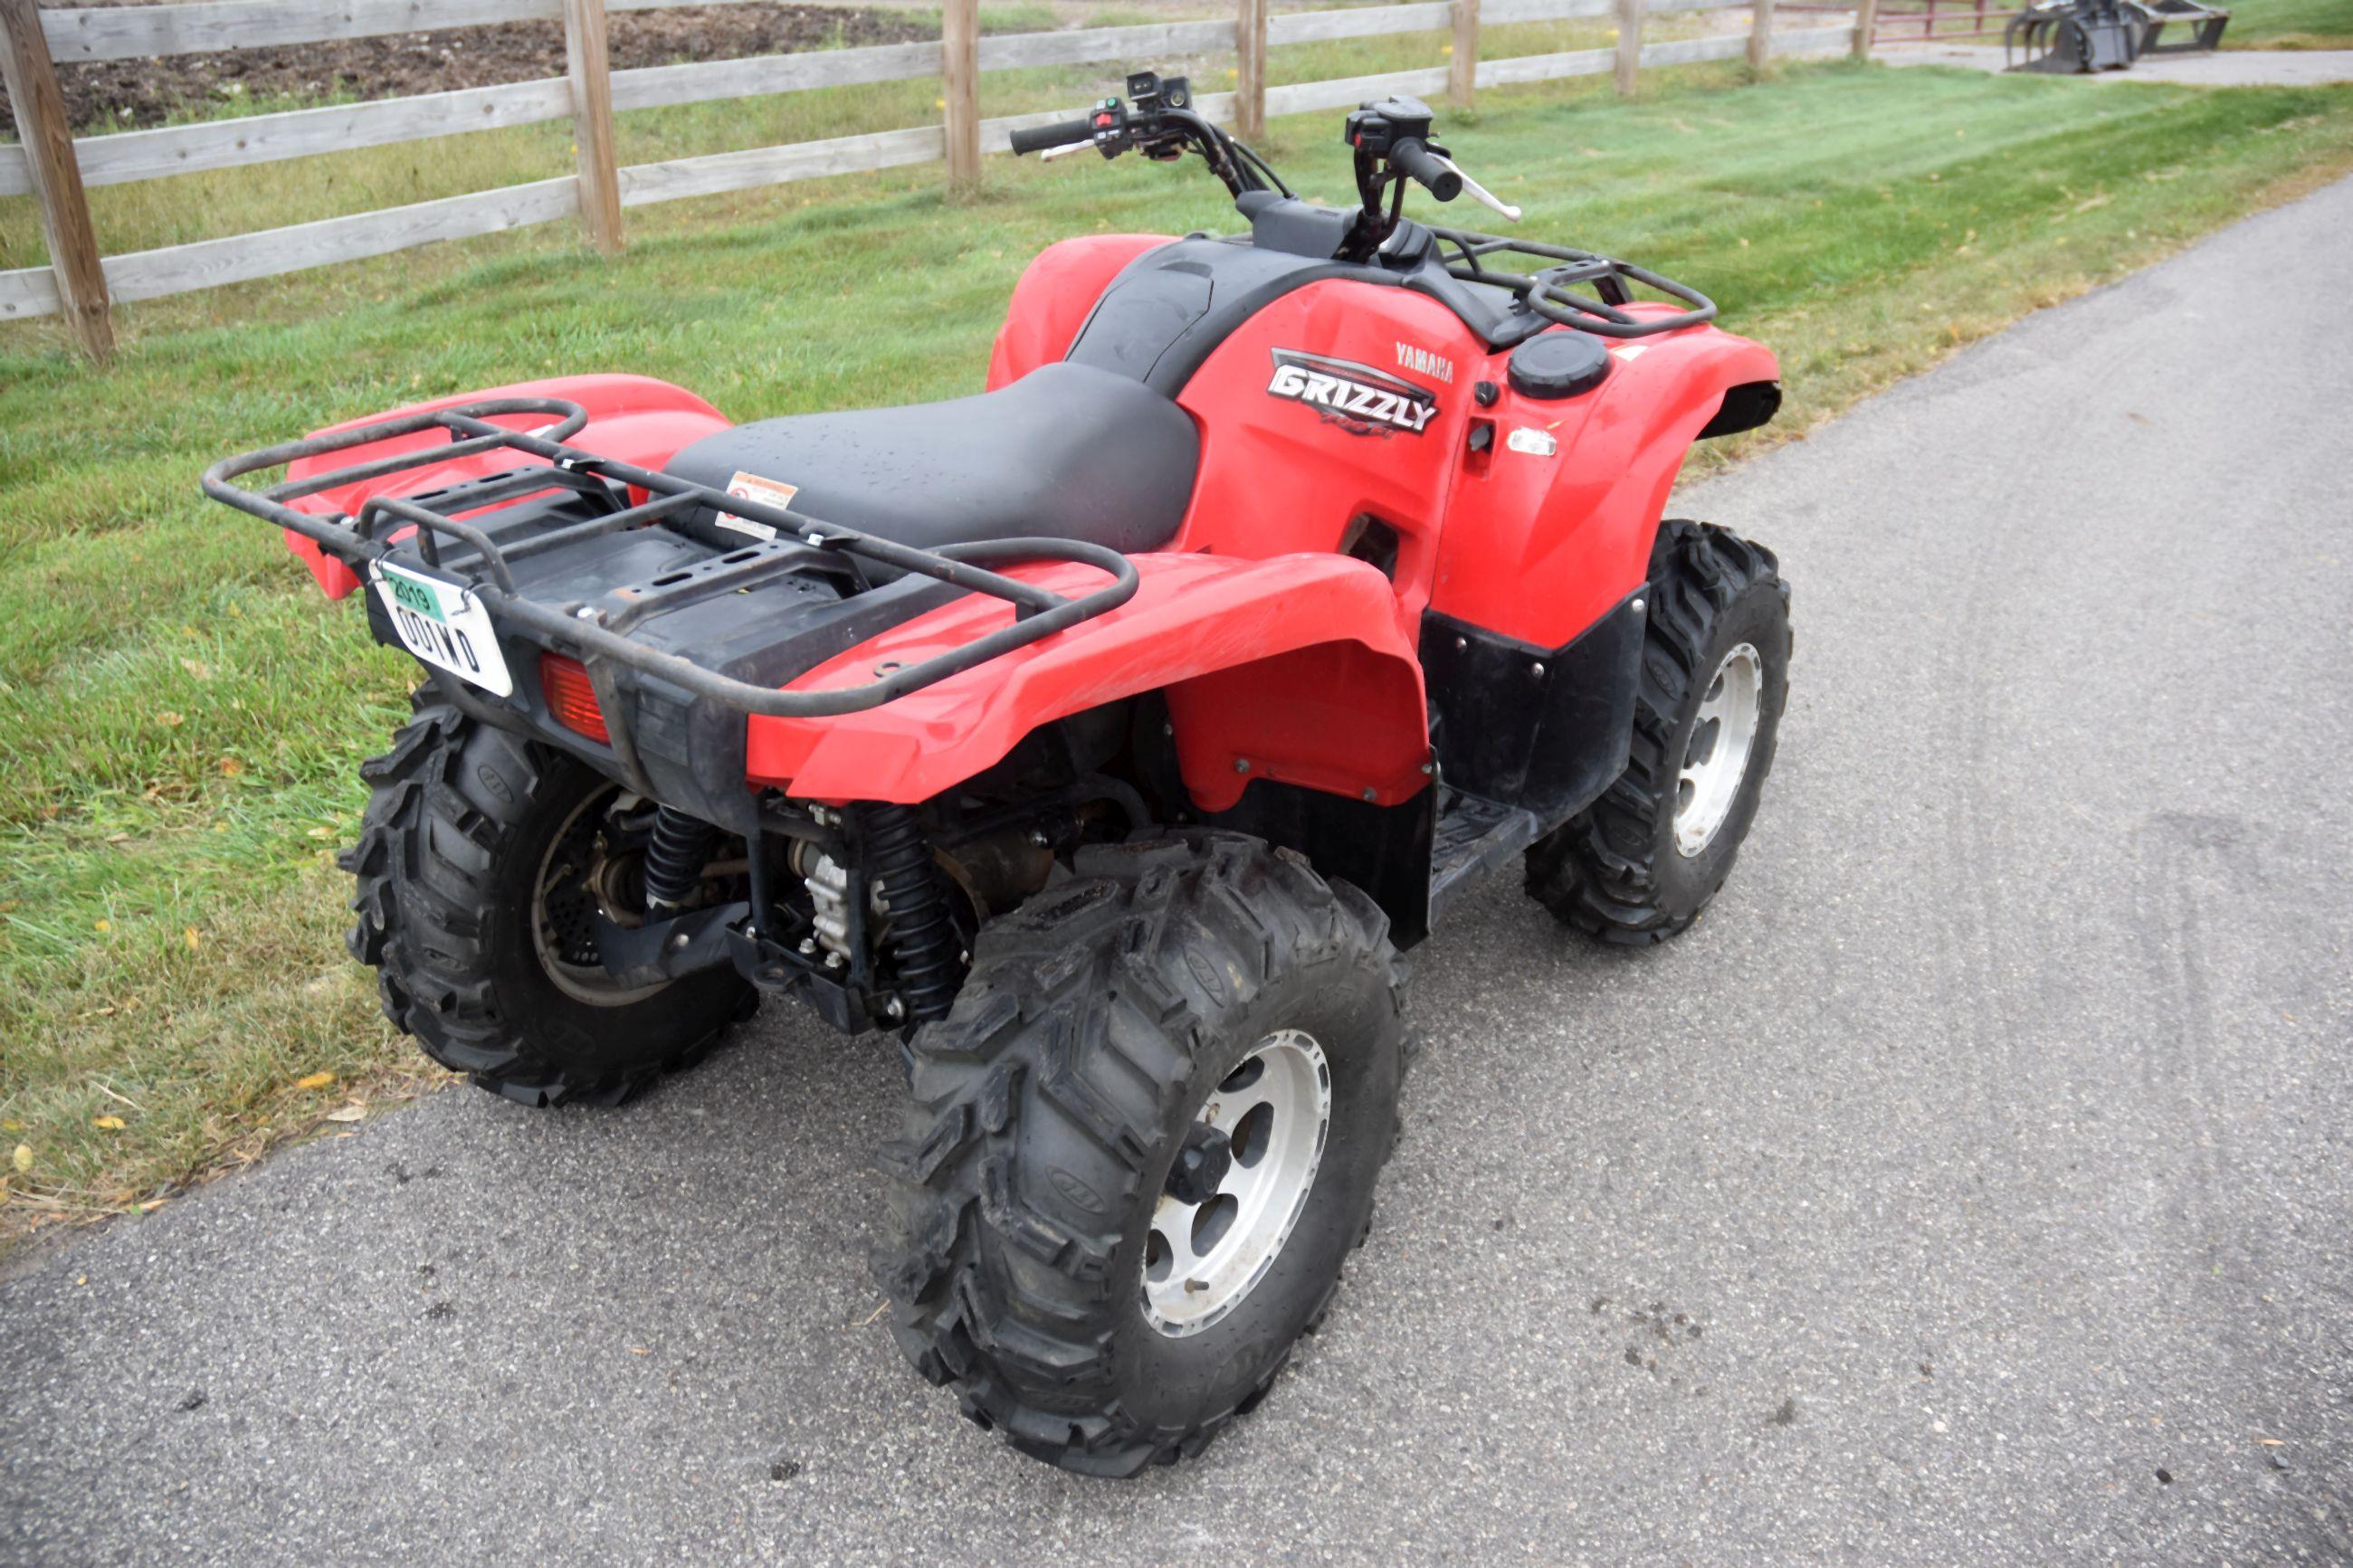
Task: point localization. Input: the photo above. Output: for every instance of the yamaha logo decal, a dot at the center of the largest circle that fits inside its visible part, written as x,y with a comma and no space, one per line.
1358,398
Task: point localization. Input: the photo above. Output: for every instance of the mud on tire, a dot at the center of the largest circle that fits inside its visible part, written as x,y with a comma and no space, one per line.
459,822
1049,1106
1614,870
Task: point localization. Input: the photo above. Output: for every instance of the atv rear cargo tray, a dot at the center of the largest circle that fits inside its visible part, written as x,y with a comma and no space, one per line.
503,528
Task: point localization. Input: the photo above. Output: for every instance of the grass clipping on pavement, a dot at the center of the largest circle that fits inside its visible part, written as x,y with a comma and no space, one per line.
184,716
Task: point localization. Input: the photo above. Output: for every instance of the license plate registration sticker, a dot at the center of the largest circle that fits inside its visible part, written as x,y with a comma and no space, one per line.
441,624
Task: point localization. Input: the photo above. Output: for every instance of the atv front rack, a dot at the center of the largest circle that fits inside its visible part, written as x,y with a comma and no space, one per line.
1545,290
672,502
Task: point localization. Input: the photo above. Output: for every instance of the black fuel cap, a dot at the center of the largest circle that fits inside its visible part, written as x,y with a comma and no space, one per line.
1559,364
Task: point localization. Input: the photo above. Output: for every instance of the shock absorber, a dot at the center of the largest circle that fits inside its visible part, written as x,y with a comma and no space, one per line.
923,936
680,847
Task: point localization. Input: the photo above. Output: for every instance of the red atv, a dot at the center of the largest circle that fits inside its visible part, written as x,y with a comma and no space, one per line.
1104,736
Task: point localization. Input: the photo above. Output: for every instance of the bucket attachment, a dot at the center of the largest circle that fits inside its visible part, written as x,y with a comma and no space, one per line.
2069,38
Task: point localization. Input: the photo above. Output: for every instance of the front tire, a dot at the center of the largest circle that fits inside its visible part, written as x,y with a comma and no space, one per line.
1640,864
1067,1125
479,926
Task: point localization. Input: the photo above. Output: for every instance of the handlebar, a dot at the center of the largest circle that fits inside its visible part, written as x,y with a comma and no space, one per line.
1434,174
1037,139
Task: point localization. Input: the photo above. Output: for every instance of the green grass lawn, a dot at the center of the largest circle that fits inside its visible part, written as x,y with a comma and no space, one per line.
183,716
2289,24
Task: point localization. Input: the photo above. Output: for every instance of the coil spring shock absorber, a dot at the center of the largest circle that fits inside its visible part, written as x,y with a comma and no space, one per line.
923,936
675,859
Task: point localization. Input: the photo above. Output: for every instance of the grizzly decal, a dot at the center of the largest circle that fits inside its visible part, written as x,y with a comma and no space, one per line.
1358,398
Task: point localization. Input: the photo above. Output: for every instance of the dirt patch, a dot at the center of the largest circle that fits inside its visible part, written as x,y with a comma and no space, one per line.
121,94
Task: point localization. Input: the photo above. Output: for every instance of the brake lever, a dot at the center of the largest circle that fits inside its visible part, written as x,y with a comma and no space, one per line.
1050,153
1476,189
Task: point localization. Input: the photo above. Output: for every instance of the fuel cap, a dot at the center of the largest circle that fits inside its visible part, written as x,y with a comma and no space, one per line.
1559,364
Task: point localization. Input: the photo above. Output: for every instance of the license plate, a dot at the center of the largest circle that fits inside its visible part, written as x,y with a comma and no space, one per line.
441,624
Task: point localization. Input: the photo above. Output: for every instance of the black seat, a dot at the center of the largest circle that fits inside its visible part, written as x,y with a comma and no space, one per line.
1066,452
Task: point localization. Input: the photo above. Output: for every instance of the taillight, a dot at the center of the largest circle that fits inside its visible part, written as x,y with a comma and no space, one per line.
572,697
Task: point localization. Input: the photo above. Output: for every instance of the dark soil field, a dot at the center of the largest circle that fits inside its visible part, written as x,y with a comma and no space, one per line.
121,94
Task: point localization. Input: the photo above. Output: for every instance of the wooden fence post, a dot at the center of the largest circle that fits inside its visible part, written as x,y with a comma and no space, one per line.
40,110
1760,35
591,64
1462,68
1866,22
1249,70
1630,44
960,93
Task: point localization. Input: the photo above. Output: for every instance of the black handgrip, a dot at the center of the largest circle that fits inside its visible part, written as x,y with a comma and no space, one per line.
1045,136
1416,160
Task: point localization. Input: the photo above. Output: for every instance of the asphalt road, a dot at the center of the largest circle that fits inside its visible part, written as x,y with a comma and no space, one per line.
1971,1186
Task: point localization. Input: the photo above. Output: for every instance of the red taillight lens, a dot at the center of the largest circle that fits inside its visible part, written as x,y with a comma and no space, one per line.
564,683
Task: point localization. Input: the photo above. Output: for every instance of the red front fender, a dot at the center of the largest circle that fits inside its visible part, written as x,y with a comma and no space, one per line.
1298,668
1543,539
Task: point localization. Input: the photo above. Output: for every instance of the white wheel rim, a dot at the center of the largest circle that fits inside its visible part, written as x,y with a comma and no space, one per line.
1200,1260
1715,758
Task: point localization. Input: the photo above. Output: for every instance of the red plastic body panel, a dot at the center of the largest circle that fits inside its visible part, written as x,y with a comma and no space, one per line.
1279,476
1299,669
634,419
1266,659
1052,301
1540,547
1537,547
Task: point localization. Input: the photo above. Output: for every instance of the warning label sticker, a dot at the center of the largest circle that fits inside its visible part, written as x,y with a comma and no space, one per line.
754,487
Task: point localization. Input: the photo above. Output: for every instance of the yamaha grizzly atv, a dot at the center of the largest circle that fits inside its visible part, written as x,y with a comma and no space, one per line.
1104,737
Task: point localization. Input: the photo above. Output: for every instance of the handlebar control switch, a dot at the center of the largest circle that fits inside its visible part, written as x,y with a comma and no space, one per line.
1375,128
1149,91
1109,122
1156,110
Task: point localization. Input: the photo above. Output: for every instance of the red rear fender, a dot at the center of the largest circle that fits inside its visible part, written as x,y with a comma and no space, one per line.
1298,668
634,419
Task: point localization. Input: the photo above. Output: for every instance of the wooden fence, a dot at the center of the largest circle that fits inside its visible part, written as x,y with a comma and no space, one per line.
1917,21
55,167
1941,21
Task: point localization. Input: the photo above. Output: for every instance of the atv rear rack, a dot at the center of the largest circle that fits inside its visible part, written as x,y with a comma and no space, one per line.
1546,291
671,501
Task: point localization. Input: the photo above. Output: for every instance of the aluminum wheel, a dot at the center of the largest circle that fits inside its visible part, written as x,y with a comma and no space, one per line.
1251,1155
1716,758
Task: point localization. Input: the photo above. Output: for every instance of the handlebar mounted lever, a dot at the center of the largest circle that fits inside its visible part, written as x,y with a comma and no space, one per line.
1481,193
1391,141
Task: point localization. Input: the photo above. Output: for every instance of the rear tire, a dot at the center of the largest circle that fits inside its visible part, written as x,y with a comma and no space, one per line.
462,829
1085,1055
1640,864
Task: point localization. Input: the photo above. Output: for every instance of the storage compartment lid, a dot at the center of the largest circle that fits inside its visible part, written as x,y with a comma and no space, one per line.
1559,364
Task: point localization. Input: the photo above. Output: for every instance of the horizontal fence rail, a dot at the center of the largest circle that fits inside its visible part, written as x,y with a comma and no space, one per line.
591,94
126,156
87,34
1922,21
